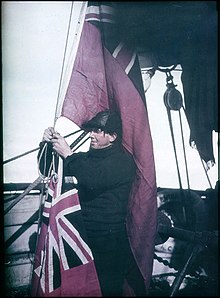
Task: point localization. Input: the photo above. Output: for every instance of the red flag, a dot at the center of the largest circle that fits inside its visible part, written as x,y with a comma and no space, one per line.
64,265
106,74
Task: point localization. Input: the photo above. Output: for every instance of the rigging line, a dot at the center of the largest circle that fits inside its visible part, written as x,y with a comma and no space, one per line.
64,58
78,140
81,144
188,200
39,179
183,199
18,156
50,172
174,146
30,151
72,133
206,172
192,252
26,191
184,150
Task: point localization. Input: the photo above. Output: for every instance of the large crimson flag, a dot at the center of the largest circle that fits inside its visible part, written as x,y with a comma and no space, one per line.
64,264
106,74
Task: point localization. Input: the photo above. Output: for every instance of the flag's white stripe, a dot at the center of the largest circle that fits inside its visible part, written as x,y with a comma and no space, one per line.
98,20
63,197
46,214
76,232
131,63
47,204
38,270
50,192
62,252
43,277
43,264
63,234
118,49
52,245
60,177
70,192
68,210
102,8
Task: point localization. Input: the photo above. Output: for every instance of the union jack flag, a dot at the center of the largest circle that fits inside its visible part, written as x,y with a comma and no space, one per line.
64,264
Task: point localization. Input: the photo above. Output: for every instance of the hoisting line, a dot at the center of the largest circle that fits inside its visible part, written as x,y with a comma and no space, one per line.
30,151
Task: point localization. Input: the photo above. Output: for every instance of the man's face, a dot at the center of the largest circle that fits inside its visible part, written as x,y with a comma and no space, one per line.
100,139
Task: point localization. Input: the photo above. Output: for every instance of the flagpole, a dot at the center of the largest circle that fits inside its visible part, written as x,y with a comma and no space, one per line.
69,65
64,57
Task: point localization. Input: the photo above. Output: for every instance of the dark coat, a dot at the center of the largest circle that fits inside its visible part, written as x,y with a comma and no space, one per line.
104,182
104,179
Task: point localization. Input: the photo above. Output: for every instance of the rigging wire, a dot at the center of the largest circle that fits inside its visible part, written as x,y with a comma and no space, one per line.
173,101
21,196
206,173
30,151
183,199
40,178
205,170
174,146
184,150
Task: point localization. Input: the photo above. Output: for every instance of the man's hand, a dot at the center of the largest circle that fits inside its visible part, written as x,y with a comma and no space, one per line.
48,134
58,142
60,145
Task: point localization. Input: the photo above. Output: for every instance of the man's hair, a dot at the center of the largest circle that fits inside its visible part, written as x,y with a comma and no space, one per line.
108,121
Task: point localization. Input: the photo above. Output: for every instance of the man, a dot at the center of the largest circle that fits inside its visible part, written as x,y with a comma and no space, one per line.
104,174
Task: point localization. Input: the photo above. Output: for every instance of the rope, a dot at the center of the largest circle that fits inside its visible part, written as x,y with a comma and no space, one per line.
174,145
81,144
206,172
78,140
39,179
18,156
25,153
184,150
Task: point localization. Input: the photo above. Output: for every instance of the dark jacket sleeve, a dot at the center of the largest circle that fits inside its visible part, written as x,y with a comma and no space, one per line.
100,173
74,164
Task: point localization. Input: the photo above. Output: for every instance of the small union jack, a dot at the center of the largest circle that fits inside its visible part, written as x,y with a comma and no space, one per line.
64,264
